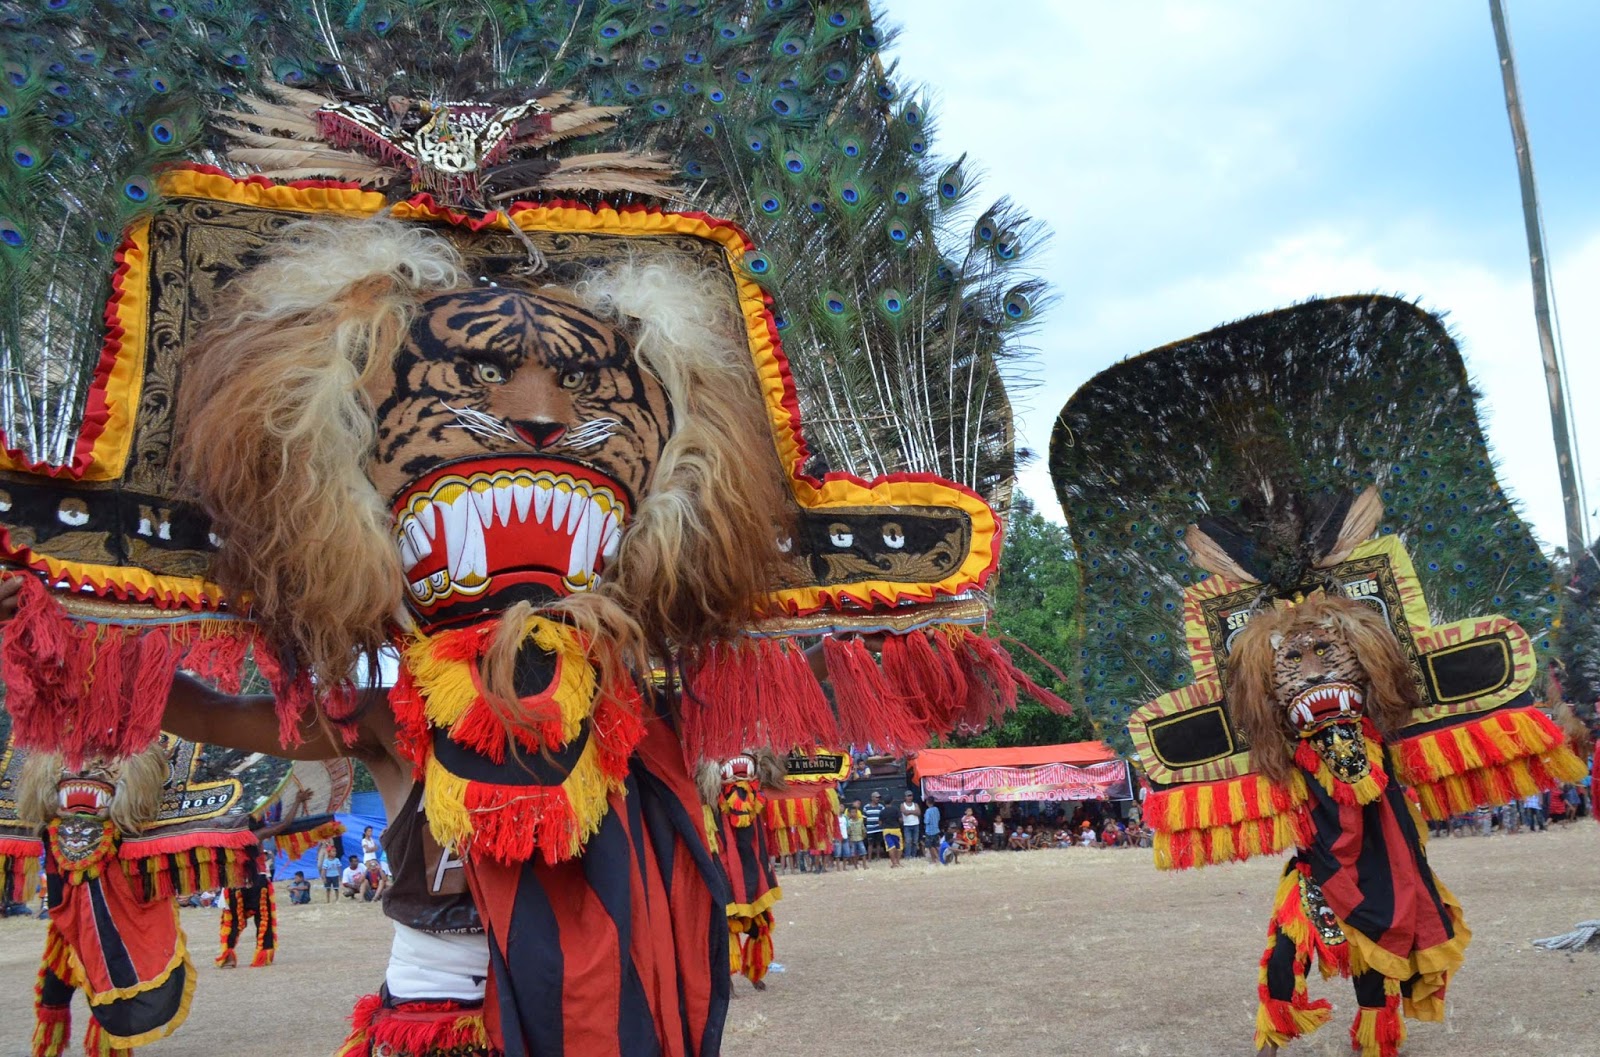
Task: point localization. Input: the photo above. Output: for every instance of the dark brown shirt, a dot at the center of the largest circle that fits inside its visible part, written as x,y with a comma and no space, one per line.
429,891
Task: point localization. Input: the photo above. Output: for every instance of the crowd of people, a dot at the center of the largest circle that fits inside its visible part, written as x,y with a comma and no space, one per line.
1531,814
363,877
878,830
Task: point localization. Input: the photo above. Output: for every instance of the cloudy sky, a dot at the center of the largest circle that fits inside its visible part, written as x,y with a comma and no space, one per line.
1201,160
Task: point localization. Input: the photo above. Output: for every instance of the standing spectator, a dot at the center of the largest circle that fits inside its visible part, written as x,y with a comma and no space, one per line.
998,830
369,845
911,824
930,827
329,865
872,814
841,847
300,889
855,829
1533,812
894,841
1557,810
350,880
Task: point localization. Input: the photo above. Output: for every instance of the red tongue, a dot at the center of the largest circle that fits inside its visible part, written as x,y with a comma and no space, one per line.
82,800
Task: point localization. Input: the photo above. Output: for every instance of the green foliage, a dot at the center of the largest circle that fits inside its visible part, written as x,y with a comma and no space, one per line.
1036,603
1577,636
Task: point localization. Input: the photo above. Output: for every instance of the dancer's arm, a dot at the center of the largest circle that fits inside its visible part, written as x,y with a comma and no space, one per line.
249,723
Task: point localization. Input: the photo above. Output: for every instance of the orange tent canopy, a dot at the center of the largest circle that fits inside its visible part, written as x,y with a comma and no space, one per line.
932,762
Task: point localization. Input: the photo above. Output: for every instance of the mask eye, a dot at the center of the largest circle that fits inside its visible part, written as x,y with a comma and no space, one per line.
574,379
1293,656
488,373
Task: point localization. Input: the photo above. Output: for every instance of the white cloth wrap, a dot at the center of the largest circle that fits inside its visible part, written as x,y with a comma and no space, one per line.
429,965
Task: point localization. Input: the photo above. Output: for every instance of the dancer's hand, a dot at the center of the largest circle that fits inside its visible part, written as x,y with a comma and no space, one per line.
10,589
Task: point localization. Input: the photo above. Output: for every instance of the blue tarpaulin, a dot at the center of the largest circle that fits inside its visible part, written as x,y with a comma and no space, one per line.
366,809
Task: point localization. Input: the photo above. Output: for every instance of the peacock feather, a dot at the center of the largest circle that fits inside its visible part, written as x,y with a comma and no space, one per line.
902,299
1256,431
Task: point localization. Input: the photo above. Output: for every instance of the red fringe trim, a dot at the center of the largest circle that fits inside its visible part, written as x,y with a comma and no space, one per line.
752,692
219,660
871,712
52,1027
417,1029
924,669
178,843
295,844
510,821
181,874
1378,1032
1515,751
292,696
83,690
412,738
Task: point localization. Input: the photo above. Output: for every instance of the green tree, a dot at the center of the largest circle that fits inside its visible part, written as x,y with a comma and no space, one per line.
1036,603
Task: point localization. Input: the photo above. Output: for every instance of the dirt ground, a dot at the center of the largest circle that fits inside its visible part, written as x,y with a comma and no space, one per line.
1009,954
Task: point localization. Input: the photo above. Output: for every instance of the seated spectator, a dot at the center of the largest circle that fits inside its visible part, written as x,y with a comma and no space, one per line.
1063,838
1020,839
969,831
352,878
299,888
949,847
1086,837
373,880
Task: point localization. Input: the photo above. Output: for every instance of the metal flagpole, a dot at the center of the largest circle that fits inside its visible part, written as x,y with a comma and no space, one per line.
1541,288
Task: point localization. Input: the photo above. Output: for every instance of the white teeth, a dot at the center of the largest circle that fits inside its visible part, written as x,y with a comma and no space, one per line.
456,516
587,515
483,502
474,556
610,536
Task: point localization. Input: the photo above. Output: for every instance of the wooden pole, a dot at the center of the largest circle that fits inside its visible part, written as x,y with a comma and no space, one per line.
1541,287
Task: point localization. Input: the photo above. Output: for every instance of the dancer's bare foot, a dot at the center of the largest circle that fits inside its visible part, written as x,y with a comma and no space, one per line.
759,985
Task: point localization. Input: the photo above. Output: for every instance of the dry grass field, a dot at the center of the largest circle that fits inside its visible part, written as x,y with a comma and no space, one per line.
1005,955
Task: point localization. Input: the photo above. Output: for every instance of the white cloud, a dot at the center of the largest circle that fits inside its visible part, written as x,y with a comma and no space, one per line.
1489,312
1202,161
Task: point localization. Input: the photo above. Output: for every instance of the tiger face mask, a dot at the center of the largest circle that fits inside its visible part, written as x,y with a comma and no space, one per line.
515,433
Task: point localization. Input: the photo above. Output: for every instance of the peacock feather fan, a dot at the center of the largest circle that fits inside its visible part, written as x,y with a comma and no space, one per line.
1262,429
903,301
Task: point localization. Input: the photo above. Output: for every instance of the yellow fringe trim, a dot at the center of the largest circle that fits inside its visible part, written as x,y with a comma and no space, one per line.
1305,1022
182,1014
49,1039
449,687
1233,820
450,820
762,904
1433,964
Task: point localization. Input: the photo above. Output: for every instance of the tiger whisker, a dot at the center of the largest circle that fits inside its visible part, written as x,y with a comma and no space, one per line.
479,422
